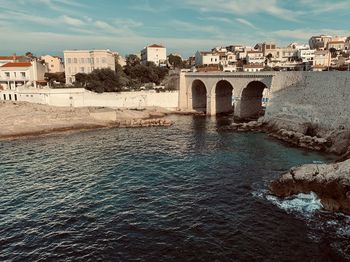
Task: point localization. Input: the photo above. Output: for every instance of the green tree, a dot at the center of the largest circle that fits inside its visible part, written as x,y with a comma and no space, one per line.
55,77
333,52
103,80
82,79
175,61
132,60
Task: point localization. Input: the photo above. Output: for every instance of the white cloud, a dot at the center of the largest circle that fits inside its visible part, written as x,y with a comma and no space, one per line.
304,34
186,26
245,22
127,22
243,7
72,21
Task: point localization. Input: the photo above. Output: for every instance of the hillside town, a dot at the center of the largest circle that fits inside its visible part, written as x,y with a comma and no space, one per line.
322,53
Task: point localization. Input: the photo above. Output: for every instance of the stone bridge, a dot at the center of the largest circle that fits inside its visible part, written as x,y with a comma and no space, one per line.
223,92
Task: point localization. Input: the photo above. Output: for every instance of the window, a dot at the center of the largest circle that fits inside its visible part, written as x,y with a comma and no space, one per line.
82,60
15,74
4,97
75,60
69,60
52,66
10,97
97,60
82,69
15,97
23,74
103,60
87,60
7,74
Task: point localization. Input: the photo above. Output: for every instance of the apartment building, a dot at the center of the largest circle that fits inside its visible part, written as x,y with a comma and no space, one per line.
22,74
322,60
319,42
337,45
255,57
85,61
306,55
154,53
54,63
207,58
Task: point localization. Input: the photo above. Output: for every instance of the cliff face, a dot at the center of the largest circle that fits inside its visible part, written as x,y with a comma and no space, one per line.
331,182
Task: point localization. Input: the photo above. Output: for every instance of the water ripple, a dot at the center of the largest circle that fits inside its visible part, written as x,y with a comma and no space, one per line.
179,193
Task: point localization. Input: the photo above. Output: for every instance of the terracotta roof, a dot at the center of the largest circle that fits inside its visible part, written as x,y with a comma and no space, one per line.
156,46
21,64
10,57
206,53
336,42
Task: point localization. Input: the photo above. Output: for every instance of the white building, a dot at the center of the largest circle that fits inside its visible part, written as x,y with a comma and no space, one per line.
85,61
306,55
207,58
26,74
154,53
54,63
255,57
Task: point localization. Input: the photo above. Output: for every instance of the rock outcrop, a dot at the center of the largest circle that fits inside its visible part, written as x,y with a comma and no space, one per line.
21,119
331,182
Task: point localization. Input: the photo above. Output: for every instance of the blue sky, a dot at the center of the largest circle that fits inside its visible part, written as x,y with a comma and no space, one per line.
183,26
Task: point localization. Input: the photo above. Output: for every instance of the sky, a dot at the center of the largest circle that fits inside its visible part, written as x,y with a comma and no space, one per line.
183,26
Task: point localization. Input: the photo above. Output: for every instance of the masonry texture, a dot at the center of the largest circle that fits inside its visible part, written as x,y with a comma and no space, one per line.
321,98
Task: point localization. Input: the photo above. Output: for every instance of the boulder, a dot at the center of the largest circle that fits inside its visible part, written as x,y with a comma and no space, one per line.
331,182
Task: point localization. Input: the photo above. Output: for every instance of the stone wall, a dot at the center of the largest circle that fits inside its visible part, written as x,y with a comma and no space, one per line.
77,97
321,98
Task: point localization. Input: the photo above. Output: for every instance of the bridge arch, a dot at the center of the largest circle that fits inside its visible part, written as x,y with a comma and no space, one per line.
199,96
251,102
223,92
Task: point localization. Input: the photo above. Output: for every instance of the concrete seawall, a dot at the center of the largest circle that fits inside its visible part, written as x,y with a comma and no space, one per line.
321,98
78,97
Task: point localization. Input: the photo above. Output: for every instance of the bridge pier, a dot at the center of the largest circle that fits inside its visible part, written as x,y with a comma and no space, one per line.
212,93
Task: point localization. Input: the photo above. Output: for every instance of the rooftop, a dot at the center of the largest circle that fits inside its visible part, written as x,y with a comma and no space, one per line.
12,57
156,46
20,64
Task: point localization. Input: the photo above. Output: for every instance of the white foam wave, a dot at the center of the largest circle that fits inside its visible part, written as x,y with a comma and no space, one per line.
301,203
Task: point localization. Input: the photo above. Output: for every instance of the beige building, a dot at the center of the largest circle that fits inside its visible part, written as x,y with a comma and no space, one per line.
54,63
337,45
154,53
319,42
253,68
26,74
85,61
322,60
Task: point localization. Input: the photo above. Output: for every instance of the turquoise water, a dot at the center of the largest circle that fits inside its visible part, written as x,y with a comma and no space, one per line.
190,192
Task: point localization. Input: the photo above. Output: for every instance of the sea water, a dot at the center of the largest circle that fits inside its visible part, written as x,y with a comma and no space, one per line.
190,192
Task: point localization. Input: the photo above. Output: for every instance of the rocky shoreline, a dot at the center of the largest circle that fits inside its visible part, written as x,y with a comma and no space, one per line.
331,182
